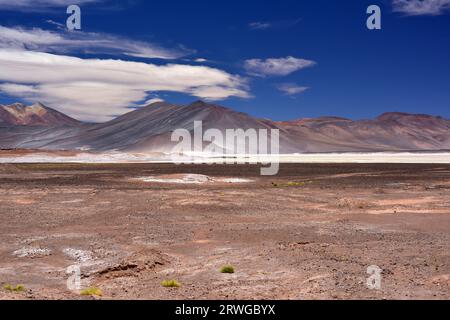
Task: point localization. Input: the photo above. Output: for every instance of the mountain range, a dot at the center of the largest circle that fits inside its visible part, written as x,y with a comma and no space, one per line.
150,129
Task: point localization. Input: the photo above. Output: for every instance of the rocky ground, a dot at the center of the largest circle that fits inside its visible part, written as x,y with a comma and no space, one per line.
309,233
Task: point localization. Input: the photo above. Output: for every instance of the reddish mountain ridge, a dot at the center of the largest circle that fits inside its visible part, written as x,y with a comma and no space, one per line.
150,128
36,115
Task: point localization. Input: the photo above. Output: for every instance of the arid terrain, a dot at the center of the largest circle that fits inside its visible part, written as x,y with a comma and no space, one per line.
309,233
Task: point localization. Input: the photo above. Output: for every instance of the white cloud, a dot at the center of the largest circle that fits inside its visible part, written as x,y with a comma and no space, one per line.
213,93
291,89
150,101
421,7
276,67
36,5
259,25
98,90
64,41
153,100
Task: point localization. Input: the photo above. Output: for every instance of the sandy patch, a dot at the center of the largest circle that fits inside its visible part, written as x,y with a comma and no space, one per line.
72,201
191,179
179,179
235,180
24,201
81,256
32,252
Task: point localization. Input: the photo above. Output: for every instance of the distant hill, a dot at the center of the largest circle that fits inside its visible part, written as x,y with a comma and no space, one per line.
150,129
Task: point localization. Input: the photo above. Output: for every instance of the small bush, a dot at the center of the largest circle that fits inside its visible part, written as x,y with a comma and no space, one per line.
227,269
93,291
170,284
8,287
18,288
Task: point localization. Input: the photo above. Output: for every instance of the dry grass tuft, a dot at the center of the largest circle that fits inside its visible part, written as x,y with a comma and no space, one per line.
170,284
93,291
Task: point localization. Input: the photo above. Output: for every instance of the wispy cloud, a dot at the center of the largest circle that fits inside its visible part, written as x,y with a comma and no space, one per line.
59,25
421,7
149,101
276,66
279,24
83,42
98,90
291,89
259,25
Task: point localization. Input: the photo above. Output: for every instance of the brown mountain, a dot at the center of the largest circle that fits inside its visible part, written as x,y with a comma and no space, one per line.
36,115
150,129
389,132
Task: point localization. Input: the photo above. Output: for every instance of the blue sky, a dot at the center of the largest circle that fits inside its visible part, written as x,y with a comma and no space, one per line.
272,59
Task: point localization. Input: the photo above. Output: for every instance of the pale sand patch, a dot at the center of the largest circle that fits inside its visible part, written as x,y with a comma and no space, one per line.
191,179
405,210
32,252
196,202
202,241
235,180
72,201
81,256
178,179
24,201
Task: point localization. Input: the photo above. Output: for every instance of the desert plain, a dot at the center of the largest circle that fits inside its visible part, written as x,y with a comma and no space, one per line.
309,233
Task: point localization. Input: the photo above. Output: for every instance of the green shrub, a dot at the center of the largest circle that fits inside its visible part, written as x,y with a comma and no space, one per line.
170,284
227,269
18,288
